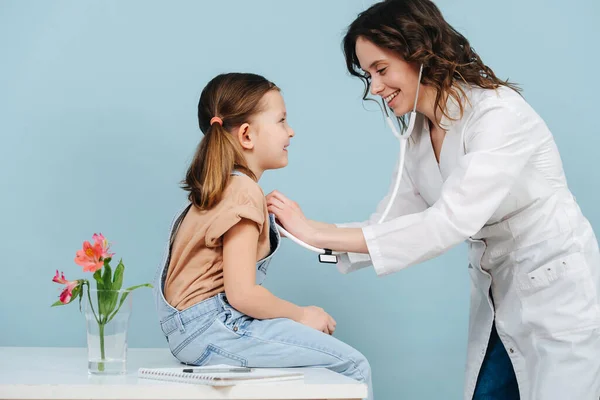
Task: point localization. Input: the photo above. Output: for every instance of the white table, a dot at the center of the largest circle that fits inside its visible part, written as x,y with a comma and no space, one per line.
54,373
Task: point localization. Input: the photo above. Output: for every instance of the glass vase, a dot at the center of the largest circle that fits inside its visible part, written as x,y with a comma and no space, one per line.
107,315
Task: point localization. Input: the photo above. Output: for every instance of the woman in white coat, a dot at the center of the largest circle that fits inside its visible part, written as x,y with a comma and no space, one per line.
481,166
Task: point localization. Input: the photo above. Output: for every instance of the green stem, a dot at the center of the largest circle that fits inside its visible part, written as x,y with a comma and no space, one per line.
102,354
92,305
100,329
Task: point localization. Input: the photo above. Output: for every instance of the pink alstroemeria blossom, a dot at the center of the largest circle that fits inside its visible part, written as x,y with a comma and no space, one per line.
92,256
99,238
67,293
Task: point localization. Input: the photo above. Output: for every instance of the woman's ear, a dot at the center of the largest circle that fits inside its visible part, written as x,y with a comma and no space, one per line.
244,136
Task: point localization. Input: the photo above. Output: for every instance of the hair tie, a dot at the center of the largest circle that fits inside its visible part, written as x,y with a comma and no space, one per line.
217,120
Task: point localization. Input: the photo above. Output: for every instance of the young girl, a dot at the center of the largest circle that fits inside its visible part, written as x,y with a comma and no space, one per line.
211,305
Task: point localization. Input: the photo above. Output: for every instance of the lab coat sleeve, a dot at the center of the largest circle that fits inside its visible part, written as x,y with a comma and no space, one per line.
408,200
498,142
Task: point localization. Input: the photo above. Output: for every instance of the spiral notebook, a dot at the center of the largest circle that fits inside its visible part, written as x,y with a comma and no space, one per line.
255,375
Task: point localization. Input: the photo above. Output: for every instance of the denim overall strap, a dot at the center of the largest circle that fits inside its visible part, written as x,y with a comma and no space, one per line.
275,240
163,308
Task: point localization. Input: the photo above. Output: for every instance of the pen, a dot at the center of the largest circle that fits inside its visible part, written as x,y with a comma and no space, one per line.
217,370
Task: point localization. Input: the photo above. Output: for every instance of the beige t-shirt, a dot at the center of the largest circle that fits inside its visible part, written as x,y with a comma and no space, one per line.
196,267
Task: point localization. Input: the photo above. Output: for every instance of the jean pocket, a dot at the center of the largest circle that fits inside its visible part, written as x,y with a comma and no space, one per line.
214,355
234,320
559,297
186,345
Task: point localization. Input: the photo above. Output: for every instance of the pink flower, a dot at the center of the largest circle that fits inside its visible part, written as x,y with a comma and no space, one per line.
91,257
67,293
99,238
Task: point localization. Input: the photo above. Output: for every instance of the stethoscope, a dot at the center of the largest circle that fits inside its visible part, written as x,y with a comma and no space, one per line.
330,257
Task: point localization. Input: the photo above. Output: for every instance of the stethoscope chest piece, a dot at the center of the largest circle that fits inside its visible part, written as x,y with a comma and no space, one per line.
328,257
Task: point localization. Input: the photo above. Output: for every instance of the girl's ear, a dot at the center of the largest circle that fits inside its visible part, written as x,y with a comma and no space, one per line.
244,136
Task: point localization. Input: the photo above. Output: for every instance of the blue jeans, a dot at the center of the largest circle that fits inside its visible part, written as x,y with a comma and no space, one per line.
496,380
213,332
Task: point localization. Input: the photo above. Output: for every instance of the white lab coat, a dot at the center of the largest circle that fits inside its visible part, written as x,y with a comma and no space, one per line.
500,186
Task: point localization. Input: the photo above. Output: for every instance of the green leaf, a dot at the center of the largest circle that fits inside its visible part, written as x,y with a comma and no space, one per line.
98,278
124,296
111,301
118,278
76,293
129,289
105,296
107,278
57,303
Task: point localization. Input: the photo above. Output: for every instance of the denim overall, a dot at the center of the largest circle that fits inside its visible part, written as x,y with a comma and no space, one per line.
213,332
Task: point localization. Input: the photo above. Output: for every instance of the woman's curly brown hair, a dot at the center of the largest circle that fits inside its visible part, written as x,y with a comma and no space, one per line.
418,33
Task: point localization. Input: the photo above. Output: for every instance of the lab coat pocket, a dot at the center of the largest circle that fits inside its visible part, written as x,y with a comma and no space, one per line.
559,297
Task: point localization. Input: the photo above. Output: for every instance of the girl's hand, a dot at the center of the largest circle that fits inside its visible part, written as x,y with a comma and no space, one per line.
317,318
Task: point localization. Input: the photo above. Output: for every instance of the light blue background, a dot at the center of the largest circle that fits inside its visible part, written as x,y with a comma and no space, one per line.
98,122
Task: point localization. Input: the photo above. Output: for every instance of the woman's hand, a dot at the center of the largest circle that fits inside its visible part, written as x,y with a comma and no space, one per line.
279,200
318,234
290,215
